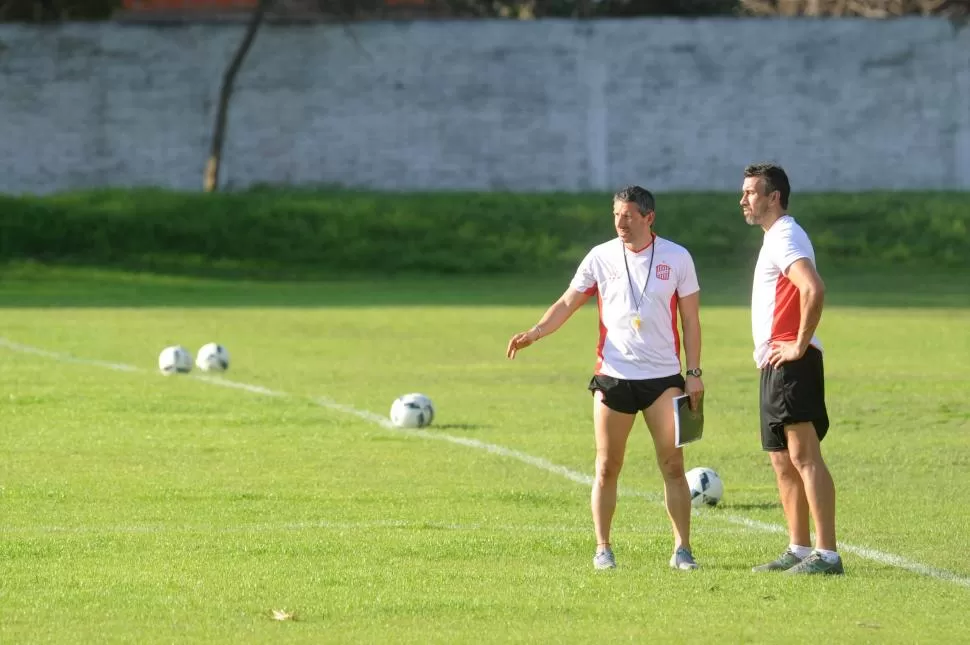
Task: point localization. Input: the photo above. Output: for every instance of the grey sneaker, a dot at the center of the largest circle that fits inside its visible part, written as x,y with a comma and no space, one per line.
604,559
682,559
784,562
815,564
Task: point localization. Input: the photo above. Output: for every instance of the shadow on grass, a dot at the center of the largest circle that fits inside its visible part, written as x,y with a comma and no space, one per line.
759,506
35,285
457,426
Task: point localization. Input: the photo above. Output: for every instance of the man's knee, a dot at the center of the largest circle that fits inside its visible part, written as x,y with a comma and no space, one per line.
608,469
671,464
783,464
806,462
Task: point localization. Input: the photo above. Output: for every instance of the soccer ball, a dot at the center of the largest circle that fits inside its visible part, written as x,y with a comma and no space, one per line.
706,487
175,360
212,358
412,411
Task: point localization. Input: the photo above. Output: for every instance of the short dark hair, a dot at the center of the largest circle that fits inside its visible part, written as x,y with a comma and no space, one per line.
774,179
642,197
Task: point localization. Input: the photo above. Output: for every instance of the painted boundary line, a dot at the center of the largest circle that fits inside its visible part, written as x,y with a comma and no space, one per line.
881,557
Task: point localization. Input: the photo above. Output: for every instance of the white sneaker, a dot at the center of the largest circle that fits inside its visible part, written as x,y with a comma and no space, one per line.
682,559
604,559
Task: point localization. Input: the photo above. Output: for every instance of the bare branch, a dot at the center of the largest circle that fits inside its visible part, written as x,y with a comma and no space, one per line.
210,180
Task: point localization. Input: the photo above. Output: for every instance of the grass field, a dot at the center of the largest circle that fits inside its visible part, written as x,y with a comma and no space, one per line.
149,509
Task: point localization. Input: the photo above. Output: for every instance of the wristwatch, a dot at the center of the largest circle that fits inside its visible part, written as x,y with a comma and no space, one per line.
694,372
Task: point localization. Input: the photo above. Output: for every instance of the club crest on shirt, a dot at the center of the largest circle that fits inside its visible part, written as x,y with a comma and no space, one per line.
663,272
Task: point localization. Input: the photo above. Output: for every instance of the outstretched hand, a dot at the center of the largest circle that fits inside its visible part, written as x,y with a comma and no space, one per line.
521,340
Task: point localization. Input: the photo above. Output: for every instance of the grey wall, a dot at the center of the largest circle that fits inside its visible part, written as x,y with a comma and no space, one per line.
671,104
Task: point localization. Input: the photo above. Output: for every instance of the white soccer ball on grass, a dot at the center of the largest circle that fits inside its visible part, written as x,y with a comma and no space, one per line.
212,357
412,410
706,487
175,359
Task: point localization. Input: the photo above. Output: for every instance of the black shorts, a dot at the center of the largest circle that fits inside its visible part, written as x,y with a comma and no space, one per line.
632,396
792,393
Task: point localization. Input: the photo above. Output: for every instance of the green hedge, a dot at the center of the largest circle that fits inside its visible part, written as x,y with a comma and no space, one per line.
303,233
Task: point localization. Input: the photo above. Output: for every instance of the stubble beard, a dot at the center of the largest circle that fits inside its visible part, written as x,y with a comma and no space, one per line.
753,218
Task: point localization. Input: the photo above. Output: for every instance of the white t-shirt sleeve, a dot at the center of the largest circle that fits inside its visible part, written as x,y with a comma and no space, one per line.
585,278
786,248
687,277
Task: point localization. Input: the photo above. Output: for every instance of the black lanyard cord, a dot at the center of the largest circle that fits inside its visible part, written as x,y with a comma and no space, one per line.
629,277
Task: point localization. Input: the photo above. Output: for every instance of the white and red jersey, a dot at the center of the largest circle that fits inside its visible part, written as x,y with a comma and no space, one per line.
653,350
775,302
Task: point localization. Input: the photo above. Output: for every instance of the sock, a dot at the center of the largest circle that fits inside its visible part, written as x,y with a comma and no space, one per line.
800,551
829,556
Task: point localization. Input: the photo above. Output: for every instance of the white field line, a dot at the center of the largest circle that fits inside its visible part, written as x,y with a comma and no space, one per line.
881,557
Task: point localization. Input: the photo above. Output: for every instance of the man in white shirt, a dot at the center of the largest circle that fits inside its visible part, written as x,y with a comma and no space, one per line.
786,306
641,281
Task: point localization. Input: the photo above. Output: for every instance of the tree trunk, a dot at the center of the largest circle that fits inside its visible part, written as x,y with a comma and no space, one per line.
210,178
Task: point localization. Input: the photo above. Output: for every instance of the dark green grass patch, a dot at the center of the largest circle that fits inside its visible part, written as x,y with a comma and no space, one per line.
333,234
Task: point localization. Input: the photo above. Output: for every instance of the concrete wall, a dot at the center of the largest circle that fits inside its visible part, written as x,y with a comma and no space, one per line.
671,104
